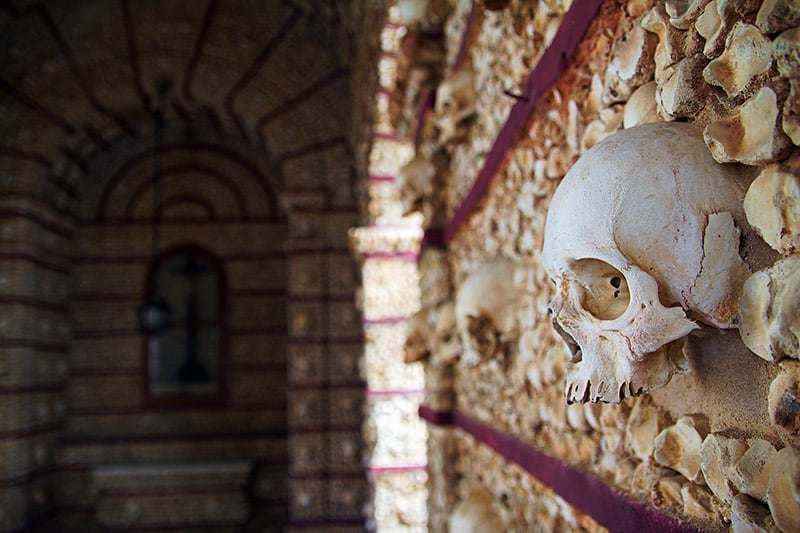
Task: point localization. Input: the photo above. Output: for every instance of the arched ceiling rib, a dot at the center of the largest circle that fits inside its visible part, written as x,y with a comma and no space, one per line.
80,83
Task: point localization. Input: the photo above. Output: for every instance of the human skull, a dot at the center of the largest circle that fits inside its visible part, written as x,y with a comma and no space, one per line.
486,310
641,240
455,102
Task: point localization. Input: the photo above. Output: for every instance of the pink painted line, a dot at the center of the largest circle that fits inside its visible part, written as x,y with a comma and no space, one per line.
389,137
555,60
472,19
589,495
387,321
381,179
395,469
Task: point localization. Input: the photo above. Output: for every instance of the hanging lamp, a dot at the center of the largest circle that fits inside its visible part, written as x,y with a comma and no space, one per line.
154,312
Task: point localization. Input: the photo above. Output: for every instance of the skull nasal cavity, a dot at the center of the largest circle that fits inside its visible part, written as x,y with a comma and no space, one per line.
603,289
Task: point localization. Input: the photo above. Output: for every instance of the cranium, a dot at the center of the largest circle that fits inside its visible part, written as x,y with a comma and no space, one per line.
455,102
485,310
640,234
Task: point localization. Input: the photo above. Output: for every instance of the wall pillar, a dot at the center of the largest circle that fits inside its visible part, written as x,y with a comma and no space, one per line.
395,435
327,483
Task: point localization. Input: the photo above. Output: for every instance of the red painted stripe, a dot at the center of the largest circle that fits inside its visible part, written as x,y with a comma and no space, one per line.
72,62
384,321
299,98
166,172
32,104
589,495
133,56
34,344
555,60
258,62
41,429
36,303
312,148
199,44
396,256
37,259
473,19
188,145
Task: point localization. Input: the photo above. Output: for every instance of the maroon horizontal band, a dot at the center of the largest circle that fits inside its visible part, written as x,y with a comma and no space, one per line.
555,60
386,321
395,469
398,256
589,495
381,179
437,418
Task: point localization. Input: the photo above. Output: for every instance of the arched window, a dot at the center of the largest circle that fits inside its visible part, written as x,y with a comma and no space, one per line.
185,358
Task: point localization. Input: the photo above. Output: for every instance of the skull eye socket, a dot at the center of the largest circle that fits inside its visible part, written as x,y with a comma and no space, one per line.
603,289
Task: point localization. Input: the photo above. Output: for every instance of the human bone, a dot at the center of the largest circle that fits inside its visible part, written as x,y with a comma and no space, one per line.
667,492
784,398
709,25
769,311
631,64
446,345
411,12
576,417
772,206
435,283
751,136
683,13
485,310
455,102
683,92
645,422
750,474
678,446
646,475
670,47
418,337
718,455
641,107
748,515
623,470
635,8
791,111
786,52
475,515
415,182
700,503
783,491
748,53
629,258
778,15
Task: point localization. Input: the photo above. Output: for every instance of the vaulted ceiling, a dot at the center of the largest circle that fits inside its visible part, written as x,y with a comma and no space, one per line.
254,97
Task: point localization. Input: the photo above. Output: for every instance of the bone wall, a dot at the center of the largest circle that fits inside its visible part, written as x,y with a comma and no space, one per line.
729,67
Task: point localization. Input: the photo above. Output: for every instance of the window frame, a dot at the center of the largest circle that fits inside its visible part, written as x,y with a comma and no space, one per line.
189,400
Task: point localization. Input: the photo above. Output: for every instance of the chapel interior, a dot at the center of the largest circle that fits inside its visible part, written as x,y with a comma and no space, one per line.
399,265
